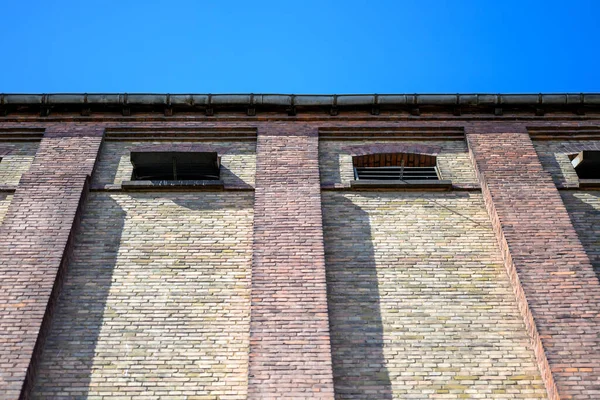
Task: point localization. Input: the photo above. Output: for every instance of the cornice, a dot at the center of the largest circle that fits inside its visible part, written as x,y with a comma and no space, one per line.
290,104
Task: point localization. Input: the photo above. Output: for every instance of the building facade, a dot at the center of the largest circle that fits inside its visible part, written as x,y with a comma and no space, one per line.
307,247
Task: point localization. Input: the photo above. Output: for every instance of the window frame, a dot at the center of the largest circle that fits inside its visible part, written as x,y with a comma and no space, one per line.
136,183
436,183
586,159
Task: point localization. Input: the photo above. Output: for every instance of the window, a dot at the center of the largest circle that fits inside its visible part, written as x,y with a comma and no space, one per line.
397,171
587,164
175,166
395,167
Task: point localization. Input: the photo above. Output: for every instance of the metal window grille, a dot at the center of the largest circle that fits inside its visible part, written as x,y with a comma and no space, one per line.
175,166
396,173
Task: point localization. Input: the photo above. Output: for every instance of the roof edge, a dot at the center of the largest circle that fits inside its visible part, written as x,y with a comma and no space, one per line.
290,102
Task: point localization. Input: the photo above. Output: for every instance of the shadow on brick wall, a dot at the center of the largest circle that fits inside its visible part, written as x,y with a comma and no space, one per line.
69,354
101,342
359,366
232,180
584,210
330,168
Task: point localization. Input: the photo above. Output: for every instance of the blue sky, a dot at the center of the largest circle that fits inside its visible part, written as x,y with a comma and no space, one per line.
300,46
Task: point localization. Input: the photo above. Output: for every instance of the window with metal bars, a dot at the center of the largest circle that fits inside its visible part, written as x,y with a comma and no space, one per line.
395,167
177,166
396,173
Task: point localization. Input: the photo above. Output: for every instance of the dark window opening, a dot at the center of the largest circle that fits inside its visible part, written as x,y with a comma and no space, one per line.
586,164
175,166
395,167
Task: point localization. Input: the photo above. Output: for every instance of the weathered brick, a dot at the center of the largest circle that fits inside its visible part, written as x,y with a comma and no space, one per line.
419,299
557,290
584,210
289,333
289,343
156,299
17,161
5,199
34,234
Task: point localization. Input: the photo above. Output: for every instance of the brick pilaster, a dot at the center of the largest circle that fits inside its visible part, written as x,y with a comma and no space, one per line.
290,355
556,288
35,238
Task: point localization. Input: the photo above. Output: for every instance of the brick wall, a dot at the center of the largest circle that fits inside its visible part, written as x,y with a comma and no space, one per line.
5,199
17,161
34,235
583,206
584,210
557,290
289,337
420,304
16,158
284,307
156,300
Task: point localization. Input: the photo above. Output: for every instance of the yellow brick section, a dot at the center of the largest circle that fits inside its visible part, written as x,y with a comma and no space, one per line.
420,303
336,164
19,160
5,199
238,163
156,300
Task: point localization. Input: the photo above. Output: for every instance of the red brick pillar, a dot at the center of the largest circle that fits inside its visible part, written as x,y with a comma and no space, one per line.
35,238
556,288
290,354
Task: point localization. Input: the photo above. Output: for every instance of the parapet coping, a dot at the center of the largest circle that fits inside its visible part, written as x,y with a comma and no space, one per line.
555,99
290,102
